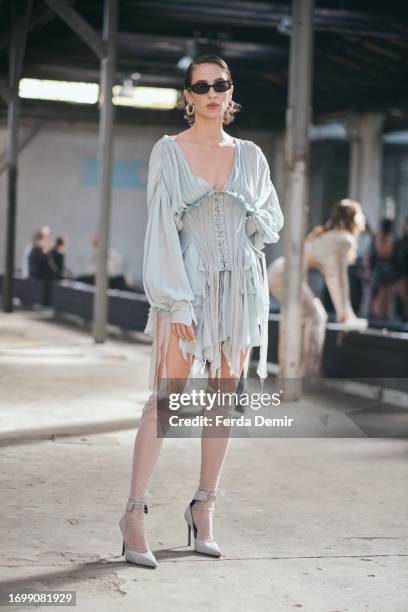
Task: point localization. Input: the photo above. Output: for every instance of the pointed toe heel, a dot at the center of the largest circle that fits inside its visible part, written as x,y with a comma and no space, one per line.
205,547
146,558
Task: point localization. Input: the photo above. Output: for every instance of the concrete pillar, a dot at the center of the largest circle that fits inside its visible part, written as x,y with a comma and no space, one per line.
278,165
278,176
296,200
365,172
17,45
105,155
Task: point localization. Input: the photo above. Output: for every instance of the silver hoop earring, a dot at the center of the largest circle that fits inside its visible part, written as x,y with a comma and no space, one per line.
190,112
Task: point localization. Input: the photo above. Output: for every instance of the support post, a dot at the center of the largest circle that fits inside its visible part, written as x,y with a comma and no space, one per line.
297,167
365,173
105,154
18,37
78,24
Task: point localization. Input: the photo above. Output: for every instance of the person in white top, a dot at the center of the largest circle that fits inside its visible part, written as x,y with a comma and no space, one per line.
115,260
329,248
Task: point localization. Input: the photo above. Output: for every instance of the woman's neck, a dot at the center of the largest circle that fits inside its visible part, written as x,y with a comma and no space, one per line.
209,133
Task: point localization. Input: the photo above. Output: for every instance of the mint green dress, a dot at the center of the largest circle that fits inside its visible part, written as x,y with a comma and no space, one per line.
203,258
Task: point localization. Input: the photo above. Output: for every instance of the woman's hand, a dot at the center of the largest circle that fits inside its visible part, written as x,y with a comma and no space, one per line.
353,322
186,332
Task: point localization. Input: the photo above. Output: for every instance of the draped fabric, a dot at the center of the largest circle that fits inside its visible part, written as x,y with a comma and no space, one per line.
203,258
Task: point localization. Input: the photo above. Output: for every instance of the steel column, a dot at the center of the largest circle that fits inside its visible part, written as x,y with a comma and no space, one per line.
296,197
18,37
105,155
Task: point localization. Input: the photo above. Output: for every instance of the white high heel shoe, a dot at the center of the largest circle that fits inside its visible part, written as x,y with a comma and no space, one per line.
139,558
206,547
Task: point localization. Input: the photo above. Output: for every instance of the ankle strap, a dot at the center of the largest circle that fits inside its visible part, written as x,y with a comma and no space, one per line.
136,503
204,495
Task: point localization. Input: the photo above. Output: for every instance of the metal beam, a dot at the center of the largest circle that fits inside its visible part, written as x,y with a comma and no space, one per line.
22,26
39,19
297,168
22,144
263,15
22,31
105,154
78,24
18,38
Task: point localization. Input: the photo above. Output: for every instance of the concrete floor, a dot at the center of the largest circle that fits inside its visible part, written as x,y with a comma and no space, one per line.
317,524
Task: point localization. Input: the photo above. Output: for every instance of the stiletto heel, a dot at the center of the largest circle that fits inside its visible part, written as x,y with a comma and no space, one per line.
206,547
133,556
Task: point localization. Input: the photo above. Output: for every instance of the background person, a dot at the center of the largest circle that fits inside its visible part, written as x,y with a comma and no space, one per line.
402,264
329,248
25,268
56,258
384,269
38,267
115,267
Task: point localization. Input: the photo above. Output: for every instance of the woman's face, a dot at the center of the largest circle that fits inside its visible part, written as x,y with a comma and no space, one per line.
43,243
209,73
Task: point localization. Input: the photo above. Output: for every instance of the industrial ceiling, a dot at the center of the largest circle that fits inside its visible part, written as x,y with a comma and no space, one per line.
360,54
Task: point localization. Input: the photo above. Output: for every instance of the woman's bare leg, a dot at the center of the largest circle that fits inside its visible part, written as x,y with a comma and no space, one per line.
148,445
378,302
388,300
214,446
403,292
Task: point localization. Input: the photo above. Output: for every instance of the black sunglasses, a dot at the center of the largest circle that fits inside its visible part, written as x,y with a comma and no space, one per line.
203,88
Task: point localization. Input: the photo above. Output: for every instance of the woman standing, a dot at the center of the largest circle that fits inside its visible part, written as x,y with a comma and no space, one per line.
330,249
402,259
211,208
384,269
56,258
38,267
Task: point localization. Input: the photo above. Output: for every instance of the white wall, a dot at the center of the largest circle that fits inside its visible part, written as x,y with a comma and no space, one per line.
52,190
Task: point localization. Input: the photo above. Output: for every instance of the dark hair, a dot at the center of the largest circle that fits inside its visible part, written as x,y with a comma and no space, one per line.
342,216
233,107
60,240
386,225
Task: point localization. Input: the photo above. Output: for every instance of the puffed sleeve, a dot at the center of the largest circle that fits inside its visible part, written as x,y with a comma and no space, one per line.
264,224
165,279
